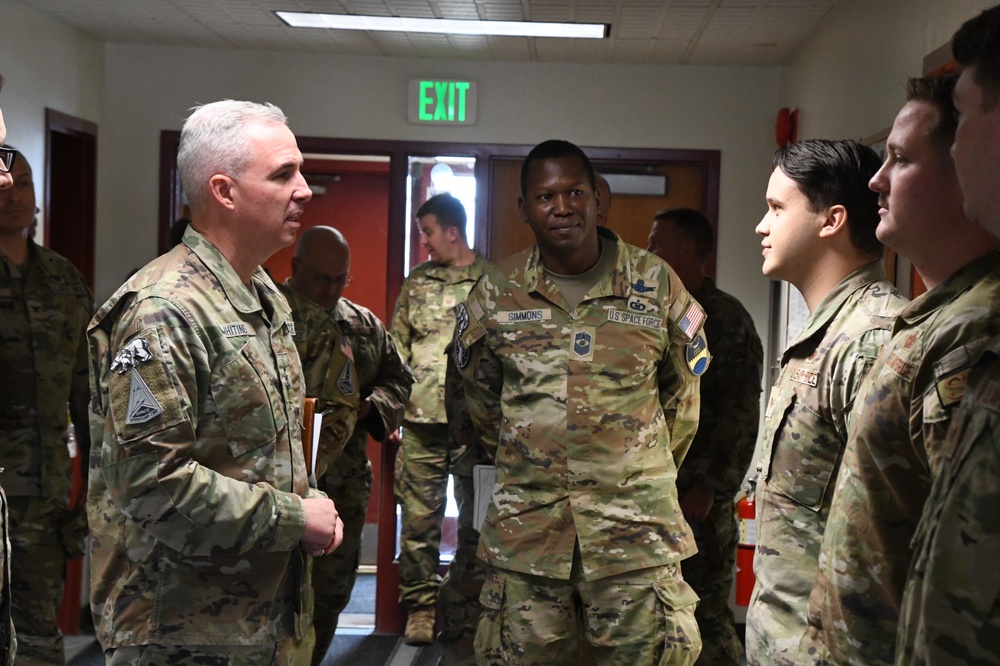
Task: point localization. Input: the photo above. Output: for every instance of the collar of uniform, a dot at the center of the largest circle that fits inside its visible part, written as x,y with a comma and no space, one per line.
616,283
966,276
834,301
451,275
237,293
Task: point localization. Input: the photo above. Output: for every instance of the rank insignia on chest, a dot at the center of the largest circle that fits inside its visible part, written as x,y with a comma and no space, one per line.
696,355
583,344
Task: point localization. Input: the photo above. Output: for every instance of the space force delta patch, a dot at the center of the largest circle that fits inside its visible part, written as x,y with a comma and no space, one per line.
142,404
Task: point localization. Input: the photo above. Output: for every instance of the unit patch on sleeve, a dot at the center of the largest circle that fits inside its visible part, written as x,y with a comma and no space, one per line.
142,404
696,355
346,380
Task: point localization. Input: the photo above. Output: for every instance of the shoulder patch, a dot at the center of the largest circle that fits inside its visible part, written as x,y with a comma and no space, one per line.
346,380
697,356
142,404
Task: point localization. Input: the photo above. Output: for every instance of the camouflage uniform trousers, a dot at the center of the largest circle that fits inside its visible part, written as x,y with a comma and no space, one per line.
334,574
421,488
640,617
43,537
284,653
710,573
462,585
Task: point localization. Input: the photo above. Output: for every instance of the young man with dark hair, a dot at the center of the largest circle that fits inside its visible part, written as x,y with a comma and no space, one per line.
422,324
898,444
581,359
949,613
819,235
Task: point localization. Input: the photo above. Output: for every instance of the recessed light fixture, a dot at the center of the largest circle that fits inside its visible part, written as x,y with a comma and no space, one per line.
444,26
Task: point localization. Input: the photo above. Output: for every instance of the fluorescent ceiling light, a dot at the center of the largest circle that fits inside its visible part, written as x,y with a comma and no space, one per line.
445,26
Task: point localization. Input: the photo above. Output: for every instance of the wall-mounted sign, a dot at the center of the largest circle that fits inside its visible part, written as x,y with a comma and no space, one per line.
441,102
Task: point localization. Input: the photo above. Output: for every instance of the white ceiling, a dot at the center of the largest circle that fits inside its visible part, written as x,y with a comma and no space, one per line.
667,32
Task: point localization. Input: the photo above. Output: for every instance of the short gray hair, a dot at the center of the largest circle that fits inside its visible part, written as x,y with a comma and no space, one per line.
214,140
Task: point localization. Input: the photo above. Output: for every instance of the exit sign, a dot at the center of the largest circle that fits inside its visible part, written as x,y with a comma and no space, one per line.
442,102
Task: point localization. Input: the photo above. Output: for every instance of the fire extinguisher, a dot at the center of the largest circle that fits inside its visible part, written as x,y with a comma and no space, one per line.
745,547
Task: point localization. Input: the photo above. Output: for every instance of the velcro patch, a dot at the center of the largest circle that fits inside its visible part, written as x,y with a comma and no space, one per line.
345,347
645,286
951,389
692,320
142,404
807,377
583,344
346,380
521,316
900,366
632,319
239,329
697,356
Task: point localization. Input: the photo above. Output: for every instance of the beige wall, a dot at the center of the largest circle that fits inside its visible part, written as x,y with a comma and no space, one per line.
846,81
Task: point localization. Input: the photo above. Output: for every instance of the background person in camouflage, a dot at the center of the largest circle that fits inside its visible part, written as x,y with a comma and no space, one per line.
329,373
320,272
819,235
8,642
720,454
897,442
950,613
422,325
199,508
462,584
46,306
581,357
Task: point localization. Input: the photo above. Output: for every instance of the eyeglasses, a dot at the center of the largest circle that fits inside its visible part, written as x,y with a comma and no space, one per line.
7,156
341,281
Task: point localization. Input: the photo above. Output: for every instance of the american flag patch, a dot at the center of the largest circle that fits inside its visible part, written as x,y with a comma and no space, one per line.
692,320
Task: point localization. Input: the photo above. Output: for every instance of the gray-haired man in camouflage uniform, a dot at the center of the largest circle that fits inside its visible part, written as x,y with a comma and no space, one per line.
581,358
320,272
950,613
8,642
898,443
44,309
422,325
819,235
711,475
199,505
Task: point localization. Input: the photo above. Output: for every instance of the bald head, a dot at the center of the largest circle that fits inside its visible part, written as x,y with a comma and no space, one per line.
603,199
321,266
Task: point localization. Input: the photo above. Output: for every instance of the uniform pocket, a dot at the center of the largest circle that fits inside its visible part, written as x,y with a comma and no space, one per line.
805,454
675,612
239,394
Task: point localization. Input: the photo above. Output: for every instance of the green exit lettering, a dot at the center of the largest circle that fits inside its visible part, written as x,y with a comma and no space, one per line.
443,101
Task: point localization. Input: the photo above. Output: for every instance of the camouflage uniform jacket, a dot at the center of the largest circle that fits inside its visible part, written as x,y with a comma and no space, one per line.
8,641
422,325
895,450
195,490
950,609
43,352
802,442
730,397
329,372
587,413
382,376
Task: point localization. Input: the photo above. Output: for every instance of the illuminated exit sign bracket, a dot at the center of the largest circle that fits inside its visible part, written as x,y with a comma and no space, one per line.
435,102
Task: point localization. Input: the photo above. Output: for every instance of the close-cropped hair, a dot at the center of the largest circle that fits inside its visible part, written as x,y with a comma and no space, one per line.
977,44
831,173
554,149
693,225
214,140
448,211
937,91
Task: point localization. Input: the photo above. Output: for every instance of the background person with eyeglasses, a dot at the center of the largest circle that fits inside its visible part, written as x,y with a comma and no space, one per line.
44,309
320,272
